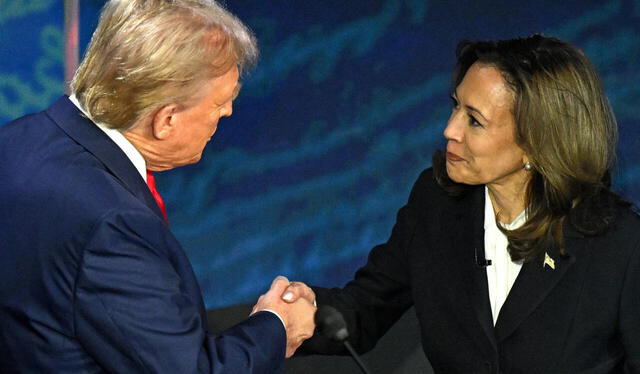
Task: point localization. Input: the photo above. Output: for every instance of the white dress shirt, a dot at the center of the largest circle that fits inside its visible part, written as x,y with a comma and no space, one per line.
502,272
125,145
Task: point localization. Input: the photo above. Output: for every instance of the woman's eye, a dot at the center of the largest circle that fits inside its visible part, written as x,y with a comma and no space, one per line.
473,122
454,103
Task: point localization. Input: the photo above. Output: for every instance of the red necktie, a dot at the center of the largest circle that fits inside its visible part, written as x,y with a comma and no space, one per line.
151,182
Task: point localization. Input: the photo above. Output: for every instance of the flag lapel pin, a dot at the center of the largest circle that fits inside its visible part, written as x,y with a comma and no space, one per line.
549,261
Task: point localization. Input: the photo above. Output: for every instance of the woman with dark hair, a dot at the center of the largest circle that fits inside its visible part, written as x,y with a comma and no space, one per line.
515,253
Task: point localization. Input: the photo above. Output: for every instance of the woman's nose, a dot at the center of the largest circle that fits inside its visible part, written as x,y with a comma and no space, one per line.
454,130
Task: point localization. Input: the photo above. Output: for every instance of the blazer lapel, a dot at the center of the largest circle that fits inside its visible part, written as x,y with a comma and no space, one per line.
534,282
81,129
470,245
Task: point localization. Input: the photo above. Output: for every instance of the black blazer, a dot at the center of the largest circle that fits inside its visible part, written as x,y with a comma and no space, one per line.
581,317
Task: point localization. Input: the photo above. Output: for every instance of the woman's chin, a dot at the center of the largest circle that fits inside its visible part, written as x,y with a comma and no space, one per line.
453,173
456,176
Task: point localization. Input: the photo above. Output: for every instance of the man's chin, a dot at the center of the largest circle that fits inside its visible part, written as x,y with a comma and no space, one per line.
184,162
194,159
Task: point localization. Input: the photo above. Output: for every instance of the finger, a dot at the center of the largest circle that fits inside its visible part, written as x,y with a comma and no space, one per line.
279,279
292,348
297,290
278,286
291,294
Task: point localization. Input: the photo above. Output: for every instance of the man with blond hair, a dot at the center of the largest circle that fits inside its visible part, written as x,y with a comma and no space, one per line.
93,279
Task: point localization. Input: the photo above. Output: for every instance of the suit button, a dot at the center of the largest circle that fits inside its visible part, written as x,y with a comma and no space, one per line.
487,366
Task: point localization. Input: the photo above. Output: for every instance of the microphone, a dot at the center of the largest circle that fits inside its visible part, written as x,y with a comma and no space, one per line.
481,261
332,325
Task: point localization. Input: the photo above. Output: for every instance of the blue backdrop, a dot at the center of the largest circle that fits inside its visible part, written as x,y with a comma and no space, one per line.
333,127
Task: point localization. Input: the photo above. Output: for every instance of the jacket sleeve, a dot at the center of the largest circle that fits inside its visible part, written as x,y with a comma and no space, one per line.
138,309
630,313
381,291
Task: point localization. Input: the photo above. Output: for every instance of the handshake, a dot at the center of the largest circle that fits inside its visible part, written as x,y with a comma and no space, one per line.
294,302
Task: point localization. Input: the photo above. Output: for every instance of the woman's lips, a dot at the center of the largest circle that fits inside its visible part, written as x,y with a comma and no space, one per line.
454,157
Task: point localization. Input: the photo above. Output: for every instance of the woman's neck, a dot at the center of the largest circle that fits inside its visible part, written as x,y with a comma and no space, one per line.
508,200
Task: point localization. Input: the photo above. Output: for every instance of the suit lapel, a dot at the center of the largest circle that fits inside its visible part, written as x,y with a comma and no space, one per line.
69,118
468,241
535,281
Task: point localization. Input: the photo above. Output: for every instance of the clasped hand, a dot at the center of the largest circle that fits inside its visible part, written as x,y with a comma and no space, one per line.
294,302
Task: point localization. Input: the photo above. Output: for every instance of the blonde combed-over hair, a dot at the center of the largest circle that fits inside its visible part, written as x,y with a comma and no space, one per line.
146,54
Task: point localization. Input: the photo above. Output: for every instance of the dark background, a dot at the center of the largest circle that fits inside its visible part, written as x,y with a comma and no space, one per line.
344,110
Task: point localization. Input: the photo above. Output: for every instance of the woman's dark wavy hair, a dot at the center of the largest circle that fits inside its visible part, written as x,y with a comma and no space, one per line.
565,125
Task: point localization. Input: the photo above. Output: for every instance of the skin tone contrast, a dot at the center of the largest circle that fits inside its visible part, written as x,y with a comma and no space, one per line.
481,146
176,134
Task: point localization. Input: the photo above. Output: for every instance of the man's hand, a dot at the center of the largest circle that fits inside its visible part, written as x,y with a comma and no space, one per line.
297,290
297,315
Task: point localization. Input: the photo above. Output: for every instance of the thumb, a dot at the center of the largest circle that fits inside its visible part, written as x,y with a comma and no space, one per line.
279,284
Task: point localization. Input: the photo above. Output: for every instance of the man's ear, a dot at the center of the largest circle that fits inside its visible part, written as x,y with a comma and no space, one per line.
163,123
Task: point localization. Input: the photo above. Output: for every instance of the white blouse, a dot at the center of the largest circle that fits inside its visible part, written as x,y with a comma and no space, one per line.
502,272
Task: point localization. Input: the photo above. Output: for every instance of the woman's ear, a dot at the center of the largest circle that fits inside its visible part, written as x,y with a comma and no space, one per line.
163,123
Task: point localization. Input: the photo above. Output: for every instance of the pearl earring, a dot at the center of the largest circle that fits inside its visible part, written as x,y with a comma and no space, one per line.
527,167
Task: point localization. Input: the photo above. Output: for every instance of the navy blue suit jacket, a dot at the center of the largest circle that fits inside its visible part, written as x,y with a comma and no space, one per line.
91,278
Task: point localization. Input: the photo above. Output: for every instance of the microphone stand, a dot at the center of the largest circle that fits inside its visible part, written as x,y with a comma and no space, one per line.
355,356
332,325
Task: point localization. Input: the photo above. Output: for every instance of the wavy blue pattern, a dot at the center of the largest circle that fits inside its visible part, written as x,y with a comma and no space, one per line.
12,9
344,110
33,75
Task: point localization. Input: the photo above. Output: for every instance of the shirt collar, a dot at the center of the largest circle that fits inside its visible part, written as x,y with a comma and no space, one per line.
490,215
123,143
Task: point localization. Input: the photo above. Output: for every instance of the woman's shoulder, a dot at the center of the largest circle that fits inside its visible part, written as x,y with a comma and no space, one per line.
622,238
611,217
427,185
602,212
627,217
